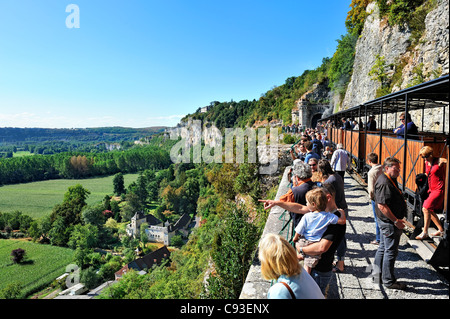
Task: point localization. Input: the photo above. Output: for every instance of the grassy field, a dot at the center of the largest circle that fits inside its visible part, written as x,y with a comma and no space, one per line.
42,264
38,198
22,153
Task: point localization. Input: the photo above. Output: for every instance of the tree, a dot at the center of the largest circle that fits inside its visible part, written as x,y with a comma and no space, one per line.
115,208
341,65
34,231
59,233
39,229
17,255
90,278
67,214
177,241
83,236
76,195
111,223
107,202
247,180
118,183
94,215
142,234
232,253
131,286
11,291
378,71
133,205
83,239
80,166
356,16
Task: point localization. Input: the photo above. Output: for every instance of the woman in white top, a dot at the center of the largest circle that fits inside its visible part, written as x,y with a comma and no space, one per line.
279,262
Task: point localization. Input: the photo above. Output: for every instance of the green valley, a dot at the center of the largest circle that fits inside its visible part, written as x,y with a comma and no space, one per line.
37,199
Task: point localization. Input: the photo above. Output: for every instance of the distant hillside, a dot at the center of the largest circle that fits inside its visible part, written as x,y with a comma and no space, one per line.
99,134
389,45
276,103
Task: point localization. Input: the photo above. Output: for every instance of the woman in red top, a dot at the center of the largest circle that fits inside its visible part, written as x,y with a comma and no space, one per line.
436,182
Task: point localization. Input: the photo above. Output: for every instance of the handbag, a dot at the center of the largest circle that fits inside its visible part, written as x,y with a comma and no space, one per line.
422,186
289,288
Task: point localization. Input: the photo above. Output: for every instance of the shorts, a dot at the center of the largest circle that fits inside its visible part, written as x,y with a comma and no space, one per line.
308,260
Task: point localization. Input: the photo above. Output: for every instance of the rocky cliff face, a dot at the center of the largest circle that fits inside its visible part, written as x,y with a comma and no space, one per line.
429,56
411,64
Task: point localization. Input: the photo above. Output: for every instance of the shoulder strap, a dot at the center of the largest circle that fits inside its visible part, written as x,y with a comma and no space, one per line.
393,183
289,288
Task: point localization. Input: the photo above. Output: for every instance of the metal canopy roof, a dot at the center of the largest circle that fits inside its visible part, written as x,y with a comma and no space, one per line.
431,94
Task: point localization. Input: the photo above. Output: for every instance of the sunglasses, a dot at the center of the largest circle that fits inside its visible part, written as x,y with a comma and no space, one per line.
312,164
426,156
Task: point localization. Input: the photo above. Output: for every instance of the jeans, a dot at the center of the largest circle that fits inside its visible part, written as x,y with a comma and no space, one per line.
387,253
322,279
377,229
342,248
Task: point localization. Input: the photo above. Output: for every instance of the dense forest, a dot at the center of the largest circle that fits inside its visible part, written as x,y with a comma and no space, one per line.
100,134
81,165
45,141
215,261
80,153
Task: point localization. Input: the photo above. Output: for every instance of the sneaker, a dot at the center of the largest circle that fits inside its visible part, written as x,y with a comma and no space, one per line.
397,285
375,242
376,278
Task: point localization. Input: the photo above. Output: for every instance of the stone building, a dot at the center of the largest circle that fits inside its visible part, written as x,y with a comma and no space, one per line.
307,114
143,264
158,231
138,219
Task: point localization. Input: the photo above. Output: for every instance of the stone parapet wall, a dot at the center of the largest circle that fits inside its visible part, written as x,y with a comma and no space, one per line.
255,286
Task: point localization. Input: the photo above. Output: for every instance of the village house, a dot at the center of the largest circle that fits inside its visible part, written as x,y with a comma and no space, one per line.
158,231
138,219
143,264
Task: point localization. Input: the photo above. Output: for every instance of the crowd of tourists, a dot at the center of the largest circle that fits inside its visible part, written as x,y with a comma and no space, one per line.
303,267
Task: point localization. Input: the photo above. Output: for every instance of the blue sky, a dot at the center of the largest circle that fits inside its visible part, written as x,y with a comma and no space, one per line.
141,63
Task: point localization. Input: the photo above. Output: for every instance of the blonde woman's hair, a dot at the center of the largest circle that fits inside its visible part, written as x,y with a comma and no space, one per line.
426,151
277,257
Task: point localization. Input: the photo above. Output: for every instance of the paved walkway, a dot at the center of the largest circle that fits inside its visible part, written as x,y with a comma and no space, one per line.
355,283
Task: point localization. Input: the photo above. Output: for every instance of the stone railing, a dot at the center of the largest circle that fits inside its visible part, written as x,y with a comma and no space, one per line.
255,287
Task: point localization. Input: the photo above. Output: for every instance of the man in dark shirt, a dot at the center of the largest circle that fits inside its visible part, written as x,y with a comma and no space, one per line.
372,124
317,145
329,242
327,245
390,211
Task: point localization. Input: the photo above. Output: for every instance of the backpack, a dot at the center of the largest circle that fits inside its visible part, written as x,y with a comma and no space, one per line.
422,186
